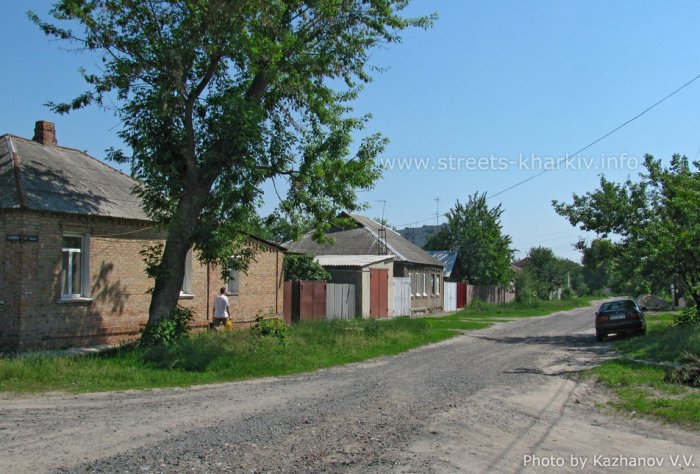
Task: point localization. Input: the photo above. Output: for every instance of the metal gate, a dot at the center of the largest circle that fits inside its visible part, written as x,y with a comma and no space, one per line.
378,293
402,296
304,301
340,301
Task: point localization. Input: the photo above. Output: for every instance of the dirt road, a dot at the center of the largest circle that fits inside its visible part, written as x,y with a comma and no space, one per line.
493,400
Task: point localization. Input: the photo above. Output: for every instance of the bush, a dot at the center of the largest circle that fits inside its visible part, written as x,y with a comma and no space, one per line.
272,327
169,331
568,294
525,291
688,374
689,316
478,304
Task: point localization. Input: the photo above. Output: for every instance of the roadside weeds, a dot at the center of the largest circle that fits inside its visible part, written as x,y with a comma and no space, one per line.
637,376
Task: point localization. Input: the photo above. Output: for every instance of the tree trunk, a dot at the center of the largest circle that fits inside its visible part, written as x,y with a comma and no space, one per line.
171,271
692,288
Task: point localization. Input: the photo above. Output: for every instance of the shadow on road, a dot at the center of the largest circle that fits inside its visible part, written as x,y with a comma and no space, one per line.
564,341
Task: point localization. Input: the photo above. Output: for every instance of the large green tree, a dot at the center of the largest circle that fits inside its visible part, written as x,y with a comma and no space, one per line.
657,220
475,231
597,260
218,97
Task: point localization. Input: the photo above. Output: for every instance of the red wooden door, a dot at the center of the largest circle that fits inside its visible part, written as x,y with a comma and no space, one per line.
378,293
461,295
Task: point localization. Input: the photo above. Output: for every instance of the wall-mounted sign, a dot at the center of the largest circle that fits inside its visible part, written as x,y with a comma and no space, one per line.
21,238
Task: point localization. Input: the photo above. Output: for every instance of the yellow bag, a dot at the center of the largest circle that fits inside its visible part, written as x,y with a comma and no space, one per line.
228,324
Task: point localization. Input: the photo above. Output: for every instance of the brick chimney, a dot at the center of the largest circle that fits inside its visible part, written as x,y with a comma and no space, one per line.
45,133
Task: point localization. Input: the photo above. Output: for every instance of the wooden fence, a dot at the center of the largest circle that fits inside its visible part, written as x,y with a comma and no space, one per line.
316,300
460,295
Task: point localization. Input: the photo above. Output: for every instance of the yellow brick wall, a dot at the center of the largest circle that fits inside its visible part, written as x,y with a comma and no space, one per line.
118,284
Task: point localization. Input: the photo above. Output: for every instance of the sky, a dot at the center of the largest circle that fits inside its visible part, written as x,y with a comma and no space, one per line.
491,95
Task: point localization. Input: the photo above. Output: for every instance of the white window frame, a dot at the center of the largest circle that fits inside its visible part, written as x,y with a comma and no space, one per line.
413,283
186,289
83,292
233,275
425,284
437,284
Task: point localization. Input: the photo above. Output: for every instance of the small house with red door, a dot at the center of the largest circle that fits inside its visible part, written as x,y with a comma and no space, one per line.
368,250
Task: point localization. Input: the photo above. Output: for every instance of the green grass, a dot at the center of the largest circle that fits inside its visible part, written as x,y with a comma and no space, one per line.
522,310
212,357
663,342
640,387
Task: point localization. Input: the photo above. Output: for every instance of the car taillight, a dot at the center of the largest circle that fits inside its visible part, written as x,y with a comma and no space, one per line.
602,318
632,315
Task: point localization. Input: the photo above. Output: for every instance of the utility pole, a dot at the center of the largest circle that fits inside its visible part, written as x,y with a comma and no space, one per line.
437,213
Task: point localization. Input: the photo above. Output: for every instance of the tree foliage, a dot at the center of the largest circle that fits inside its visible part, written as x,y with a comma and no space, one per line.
598,267
303,267
475,231
218,97
549,273
657,220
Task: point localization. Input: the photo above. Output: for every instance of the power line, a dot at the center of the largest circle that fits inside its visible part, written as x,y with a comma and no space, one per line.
599,139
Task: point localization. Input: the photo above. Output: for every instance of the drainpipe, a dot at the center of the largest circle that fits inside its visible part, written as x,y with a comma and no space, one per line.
277,282
208,292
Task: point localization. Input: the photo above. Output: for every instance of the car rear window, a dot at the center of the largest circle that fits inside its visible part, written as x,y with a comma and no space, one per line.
618,306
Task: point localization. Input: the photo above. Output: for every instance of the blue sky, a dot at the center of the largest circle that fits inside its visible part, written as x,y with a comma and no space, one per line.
499,81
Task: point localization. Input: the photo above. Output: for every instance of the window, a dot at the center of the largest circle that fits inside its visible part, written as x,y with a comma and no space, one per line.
186,289
74,266
436,284
233,284
425,284
413,283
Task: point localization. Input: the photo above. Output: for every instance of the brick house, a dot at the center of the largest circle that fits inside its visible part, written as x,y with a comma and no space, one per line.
368,237
70,269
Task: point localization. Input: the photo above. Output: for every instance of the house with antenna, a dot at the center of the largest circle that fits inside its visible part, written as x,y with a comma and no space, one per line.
375,257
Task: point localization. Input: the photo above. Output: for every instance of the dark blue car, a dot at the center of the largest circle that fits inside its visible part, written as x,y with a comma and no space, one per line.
619,317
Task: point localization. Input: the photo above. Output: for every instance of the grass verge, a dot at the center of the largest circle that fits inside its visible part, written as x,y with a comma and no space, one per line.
521,310
212,357
640,387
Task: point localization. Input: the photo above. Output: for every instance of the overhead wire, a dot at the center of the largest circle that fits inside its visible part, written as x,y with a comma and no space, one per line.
619,127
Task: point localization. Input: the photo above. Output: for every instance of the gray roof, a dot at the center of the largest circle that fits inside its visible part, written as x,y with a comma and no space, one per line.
365,239
448,258
58,179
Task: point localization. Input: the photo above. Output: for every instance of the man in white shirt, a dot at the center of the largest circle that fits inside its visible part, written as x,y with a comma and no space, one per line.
222,310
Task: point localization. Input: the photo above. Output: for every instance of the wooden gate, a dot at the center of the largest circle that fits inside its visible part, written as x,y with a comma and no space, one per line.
450,296
461,295
340,301
378,293
402,296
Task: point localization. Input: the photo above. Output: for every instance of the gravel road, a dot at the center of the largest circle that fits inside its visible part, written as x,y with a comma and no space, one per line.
494,400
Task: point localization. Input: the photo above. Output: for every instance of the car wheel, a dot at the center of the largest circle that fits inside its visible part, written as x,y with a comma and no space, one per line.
599,336
642,331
